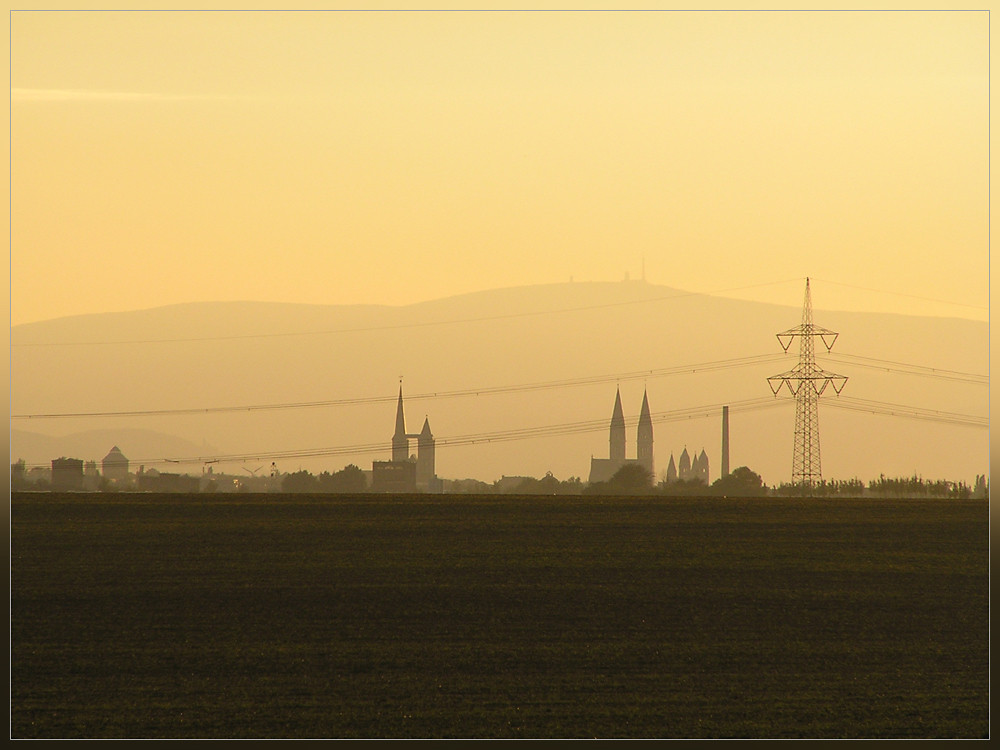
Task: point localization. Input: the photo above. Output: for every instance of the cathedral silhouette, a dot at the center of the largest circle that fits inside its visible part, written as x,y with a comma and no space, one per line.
602,469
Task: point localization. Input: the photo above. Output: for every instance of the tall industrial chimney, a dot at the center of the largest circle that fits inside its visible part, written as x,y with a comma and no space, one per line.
725,441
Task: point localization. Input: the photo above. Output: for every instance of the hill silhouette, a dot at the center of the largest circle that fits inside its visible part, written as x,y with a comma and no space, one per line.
214,354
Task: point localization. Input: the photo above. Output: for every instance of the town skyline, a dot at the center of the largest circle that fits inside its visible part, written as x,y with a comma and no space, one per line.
298,404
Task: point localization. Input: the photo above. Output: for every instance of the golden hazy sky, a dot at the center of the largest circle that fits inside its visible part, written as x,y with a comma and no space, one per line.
358,157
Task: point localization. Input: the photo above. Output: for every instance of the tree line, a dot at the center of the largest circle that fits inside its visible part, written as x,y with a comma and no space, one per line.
630,479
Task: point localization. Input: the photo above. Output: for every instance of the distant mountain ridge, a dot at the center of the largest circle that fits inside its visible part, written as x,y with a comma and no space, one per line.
250,318
244,353
545,299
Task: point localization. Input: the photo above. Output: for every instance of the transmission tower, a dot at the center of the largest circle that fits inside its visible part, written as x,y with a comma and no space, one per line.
806,381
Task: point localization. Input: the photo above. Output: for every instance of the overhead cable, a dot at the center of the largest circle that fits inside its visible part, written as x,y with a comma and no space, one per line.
479,438
871,406
908,369
464,392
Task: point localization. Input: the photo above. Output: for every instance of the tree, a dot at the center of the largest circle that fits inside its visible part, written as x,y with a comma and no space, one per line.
350,479
982,486
547,485
741,482
571,486
299,481
17,475
631,479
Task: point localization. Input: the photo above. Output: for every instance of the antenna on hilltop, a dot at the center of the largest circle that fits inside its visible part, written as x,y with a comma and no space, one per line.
806,381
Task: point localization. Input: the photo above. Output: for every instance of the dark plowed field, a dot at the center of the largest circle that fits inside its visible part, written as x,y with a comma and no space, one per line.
458,616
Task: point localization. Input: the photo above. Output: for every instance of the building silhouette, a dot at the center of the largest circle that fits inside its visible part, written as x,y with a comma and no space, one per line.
683,465
425,457
394,476
671,470
688,469
114,466
602,469
67,473
406,473
699,467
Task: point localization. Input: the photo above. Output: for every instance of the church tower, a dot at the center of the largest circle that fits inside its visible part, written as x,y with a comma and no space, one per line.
644,437
684,465
400,445
618,431
671,470
425,455
703,466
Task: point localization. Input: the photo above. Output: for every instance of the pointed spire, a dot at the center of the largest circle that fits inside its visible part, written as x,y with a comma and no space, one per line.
617,452
644,436
400,421
618,416
425,456
400,445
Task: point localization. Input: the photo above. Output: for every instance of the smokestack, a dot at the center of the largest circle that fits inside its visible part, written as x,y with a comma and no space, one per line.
725,441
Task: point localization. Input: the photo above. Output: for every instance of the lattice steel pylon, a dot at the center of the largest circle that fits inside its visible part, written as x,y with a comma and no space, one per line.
806,381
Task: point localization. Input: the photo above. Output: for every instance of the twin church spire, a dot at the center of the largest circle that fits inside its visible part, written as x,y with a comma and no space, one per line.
602,469
644,433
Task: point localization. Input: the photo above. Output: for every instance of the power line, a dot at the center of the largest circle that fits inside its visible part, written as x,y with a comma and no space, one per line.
595,425
465,392
900,294
499,436
871,406
921,370
857,360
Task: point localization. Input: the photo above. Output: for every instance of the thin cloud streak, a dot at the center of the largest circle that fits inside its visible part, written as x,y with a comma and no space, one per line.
89,95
